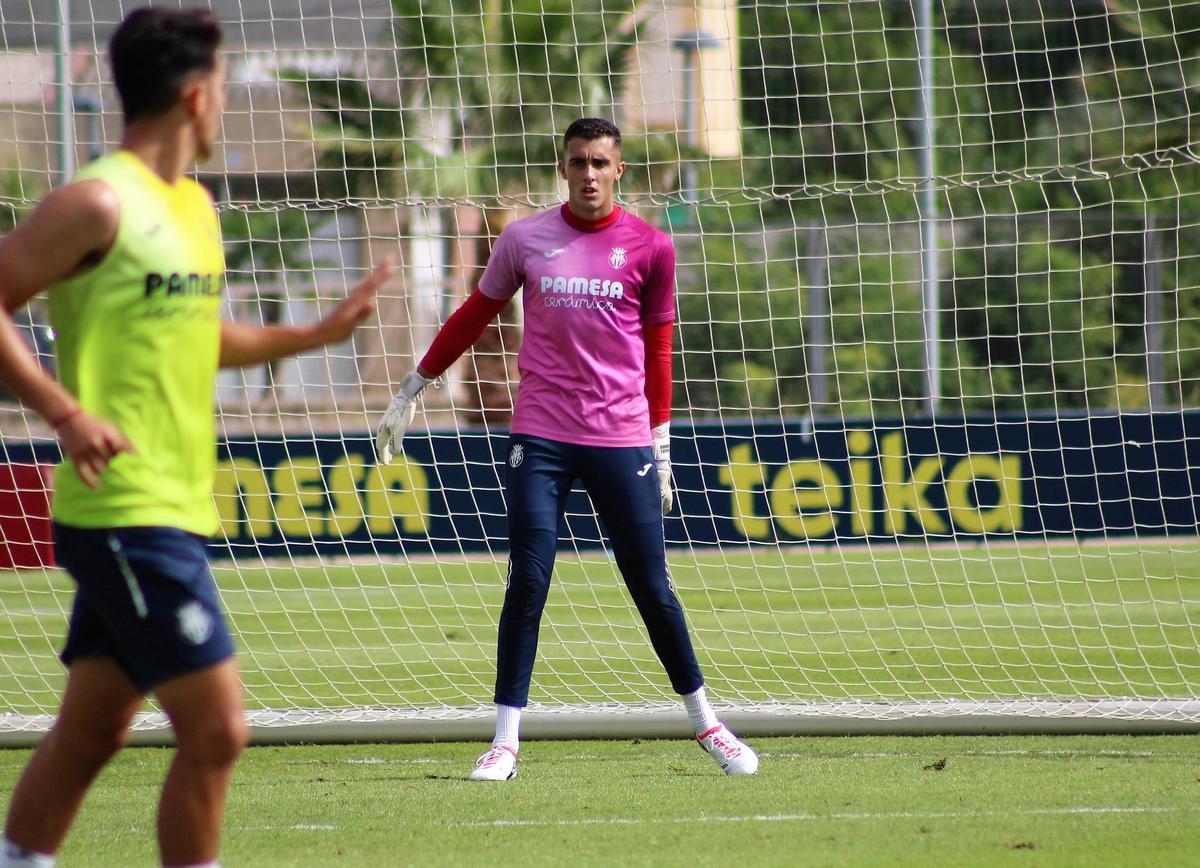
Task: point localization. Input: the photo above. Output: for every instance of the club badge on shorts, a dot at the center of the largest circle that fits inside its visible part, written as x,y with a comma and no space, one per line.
516,456
195,623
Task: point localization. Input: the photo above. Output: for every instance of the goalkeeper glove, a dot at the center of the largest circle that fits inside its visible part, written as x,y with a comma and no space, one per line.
399,415
662,460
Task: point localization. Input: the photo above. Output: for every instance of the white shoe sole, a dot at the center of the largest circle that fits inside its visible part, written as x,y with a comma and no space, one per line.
745,771
475,776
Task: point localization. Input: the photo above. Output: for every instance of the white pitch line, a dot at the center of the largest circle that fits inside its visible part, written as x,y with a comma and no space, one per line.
1083,753
1048,752
802,755
752,818
369,761
281,827
806,817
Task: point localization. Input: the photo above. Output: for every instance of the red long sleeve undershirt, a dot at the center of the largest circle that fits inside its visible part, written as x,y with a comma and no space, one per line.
459,333
658,370
467,323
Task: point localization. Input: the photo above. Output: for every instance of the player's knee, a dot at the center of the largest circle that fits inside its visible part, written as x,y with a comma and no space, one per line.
652,587
228,739
528,586
216,741
93,744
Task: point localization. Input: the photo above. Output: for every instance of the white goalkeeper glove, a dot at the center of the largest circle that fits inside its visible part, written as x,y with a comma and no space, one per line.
662,460
390,440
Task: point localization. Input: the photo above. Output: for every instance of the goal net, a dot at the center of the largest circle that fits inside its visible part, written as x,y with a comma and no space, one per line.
937,367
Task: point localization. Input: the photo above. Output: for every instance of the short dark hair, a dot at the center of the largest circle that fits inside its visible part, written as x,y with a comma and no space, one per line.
154,50
590,129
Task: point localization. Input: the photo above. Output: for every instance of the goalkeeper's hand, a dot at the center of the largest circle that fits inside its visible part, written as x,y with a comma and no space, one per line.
662,460
390,440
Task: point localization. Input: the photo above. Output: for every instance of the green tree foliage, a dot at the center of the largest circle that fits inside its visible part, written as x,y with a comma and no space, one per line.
268,242
18,190
486,91
1062,131
1052,90
741,344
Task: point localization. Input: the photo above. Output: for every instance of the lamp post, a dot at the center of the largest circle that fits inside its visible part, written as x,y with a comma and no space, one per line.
928,209
65,104
691,44
86,104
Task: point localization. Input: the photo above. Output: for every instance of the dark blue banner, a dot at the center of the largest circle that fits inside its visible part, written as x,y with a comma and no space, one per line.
1008,477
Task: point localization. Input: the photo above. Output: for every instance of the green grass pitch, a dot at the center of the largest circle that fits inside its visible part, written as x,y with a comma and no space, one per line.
888,623
1017,801
1091,621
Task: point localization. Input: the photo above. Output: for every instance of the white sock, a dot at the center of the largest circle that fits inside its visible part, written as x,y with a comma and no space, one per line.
700,714
508,722
13,856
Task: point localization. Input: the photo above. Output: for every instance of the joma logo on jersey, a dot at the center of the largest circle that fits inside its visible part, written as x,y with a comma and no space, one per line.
584,286
182,284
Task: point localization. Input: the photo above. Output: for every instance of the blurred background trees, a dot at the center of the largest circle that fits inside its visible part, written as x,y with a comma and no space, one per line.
1067,178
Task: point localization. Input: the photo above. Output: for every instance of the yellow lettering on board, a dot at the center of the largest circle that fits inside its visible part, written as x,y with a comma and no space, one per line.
300,497
790,498
398,491
344,480
902,494
1005,471
741,475
241,493
862,513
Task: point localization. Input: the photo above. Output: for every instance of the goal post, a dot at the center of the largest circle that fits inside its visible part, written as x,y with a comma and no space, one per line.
937,368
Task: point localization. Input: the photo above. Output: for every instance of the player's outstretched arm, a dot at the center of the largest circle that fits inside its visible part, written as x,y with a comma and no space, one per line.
244,344
70,231
459,333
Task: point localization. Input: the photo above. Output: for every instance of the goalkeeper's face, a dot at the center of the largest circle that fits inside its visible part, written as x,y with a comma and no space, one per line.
591,168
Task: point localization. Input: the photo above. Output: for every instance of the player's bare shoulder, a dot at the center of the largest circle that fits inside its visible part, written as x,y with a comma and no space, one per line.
89,208
70,230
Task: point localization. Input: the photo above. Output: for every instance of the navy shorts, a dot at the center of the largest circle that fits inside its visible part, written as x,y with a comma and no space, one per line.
146,599
622,483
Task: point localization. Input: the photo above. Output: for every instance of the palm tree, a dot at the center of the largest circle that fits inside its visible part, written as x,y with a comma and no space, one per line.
482,93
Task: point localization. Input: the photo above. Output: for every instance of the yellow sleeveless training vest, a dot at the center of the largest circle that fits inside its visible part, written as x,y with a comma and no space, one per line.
137,339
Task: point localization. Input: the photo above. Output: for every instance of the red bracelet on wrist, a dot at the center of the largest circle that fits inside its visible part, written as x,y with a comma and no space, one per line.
67,418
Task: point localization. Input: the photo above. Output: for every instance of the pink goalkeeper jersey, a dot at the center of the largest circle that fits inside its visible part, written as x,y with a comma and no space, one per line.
588,292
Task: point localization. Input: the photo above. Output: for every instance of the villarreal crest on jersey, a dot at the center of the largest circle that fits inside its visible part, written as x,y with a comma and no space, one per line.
137,342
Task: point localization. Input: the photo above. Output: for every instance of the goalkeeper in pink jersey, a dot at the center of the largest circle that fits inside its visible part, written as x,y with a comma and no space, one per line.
594,404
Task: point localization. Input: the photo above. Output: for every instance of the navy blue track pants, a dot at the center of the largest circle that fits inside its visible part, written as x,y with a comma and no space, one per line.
623,485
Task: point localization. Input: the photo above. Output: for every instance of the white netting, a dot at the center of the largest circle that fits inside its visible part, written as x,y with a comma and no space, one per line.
1007,226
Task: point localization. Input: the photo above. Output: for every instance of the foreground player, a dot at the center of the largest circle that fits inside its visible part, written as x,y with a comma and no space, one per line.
131,255
595,379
